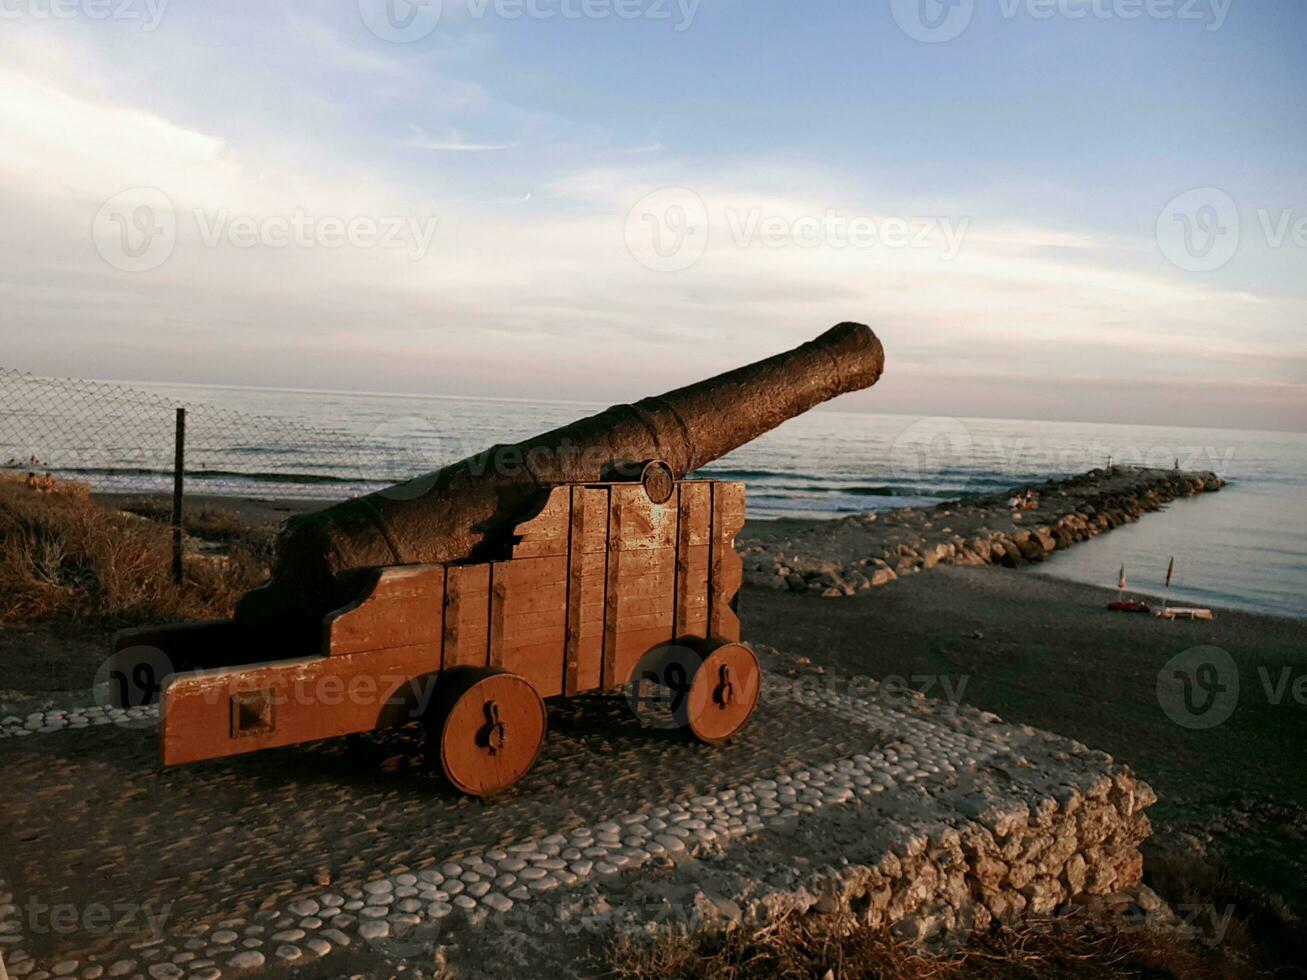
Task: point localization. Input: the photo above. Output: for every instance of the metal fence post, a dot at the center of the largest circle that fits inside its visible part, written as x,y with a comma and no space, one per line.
178,476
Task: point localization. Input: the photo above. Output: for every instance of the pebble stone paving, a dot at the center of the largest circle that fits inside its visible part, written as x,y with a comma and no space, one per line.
93,819
278,859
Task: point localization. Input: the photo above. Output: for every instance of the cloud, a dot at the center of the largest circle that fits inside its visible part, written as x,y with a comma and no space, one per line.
539,293
455,144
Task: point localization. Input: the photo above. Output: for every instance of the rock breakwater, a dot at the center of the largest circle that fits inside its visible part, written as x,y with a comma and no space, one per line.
1026,524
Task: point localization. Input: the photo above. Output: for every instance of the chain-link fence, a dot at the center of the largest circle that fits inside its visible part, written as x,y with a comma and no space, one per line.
119,439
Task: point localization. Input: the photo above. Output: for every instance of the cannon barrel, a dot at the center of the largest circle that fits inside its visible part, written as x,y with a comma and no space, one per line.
464,511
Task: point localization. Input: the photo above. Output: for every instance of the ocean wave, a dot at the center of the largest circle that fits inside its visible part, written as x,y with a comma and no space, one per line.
116,472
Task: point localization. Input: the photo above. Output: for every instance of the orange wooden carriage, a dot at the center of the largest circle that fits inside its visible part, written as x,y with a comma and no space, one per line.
605,585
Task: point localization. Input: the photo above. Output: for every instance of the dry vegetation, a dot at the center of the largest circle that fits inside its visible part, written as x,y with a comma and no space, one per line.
65,557
1212,928
831,947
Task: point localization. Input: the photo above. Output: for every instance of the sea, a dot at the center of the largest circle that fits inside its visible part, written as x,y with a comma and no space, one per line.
1244,548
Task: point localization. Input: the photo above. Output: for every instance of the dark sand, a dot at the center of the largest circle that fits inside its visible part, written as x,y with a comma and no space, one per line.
1047,653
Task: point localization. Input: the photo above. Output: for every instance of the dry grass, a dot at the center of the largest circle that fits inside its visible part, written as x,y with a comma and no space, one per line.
1226,911
1075,945
65,557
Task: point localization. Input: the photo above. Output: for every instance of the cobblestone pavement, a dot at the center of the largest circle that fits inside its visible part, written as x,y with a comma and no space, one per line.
281,860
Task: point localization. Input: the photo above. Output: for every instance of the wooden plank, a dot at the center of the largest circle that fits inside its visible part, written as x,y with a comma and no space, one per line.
640,600
587,568
467,616
529,621
727,567
546,533
657,581
645,525
498,603
212,714
594,509
612,579
402,607
693,559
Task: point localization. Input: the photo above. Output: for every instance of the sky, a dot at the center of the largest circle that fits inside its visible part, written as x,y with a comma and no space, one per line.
1061,209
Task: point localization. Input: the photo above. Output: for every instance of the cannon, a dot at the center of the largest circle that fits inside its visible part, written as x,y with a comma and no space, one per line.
582,560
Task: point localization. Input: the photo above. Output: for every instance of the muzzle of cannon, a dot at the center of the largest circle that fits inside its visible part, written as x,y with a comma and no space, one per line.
465,511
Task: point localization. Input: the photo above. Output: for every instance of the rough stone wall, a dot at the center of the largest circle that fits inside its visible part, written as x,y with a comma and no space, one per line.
958,820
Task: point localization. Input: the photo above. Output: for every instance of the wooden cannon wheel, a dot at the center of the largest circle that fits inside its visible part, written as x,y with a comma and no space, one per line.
724,693
486,727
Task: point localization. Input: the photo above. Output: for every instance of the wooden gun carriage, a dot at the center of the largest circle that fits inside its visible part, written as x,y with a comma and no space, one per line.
595,585
466,598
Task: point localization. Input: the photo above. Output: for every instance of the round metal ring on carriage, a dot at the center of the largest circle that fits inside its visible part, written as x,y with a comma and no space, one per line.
490,726
724,693
658,480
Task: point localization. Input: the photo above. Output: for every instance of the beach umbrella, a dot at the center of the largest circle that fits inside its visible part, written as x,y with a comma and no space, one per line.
1170,570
